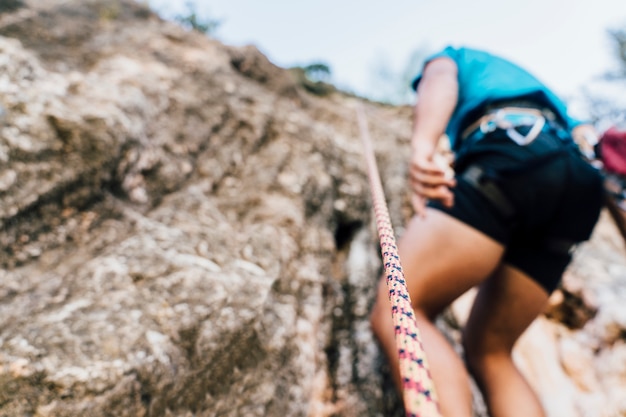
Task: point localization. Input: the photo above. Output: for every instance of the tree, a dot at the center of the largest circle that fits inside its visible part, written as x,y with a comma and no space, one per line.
619,44
394,86
606,98
192,20
314,77
317,71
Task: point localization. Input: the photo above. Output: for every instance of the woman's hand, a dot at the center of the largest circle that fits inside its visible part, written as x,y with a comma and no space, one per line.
430,178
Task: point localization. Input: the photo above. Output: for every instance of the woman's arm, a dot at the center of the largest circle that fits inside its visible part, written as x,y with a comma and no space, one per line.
437,97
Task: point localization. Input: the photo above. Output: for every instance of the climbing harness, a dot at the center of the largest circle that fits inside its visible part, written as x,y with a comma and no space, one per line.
513,119
420,399
509,119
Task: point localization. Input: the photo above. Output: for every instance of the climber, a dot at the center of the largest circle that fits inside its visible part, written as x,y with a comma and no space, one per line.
507,220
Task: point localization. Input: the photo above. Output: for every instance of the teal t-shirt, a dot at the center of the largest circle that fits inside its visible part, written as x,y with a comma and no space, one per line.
485,78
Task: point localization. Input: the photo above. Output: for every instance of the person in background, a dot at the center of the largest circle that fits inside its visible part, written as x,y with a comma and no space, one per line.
506,219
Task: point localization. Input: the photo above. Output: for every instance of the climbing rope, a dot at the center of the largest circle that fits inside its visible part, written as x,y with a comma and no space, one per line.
420,399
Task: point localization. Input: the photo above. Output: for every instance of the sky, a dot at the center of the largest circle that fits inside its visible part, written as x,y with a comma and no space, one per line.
563,43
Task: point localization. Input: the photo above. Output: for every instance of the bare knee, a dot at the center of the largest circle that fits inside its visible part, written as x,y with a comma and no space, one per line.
483,355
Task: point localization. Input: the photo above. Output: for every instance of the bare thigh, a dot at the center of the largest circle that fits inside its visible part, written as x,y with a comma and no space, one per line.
442,258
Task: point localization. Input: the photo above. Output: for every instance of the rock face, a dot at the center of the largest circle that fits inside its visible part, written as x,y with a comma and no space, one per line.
186,231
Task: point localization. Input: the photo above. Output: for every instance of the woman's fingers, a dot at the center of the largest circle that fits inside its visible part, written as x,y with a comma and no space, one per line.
430,180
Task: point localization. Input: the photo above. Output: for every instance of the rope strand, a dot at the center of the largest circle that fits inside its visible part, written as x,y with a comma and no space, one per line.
420,399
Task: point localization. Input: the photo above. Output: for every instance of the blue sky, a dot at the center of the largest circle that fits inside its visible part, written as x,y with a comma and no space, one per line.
564,43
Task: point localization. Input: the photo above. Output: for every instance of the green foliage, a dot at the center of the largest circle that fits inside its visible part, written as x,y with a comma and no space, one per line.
317,71
314,77
192,20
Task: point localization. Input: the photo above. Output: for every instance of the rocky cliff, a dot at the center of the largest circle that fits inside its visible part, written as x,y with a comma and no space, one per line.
186,231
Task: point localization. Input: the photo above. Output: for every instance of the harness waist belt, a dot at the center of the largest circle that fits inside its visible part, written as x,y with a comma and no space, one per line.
511,114
510,118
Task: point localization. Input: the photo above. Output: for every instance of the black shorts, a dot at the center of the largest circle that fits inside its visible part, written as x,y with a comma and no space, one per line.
556,198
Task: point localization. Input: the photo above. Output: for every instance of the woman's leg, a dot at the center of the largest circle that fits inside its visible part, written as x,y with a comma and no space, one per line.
441,258
505,306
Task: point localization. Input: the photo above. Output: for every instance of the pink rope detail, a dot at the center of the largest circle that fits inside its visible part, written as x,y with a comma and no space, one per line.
420,398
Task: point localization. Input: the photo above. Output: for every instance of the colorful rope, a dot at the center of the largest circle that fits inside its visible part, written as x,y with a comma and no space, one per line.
420,399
